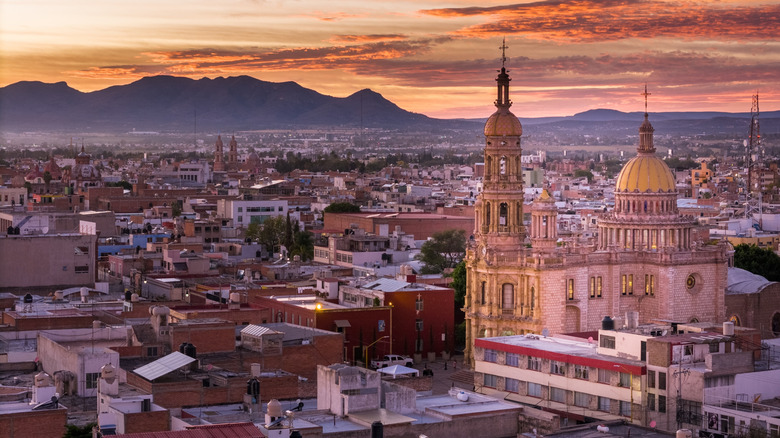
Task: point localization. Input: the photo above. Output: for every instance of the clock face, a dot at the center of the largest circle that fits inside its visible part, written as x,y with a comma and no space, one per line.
690,283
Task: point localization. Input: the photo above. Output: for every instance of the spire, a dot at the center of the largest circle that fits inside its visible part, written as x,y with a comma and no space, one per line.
502,101
646,131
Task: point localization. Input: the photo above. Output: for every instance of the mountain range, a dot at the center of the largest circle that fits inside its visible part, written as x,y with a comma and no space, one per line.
168,103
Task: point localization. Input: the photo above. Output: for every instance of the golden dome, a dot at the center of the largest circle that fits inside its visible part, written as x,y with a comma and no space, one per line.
503,123
645,172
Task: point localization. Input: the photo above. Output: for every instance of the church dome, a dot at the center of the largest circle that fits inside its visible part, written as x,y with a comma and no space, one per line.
503,123
645,173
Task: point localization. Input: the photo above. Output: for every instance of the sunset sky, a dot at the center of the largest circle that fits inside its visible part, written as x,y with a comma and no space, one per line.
437,57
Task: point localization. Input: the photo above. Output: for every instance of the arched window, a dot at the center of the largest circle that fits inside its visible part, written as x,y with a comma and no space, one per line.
502,214
508,296
735,320
483,293
502,166
533,297
487,214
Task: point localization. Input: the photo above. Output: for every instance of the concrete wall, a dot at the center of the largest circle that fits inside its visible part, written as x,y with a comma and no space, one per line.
47,260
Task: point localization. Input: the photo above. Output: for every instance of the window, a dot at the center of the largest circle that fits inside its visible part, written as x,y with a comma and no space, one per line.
557,368
580,372
604,404
534,389
598,287
570,289
512,385
607,342
92,380
81,250
240,209
714,382
662,381
534,363
603,376
714,347
483,292
592,287
631,284
82,269
418,325
726,424
491,356
627,284
512,359
650,379
625,380
625,408
650,402
490,380
151,351
662,404
649,284
581,399
557,394
418,305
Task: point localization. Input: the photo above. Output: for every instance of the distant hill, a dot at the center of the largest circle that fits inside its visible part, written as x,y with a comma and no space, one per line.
168,103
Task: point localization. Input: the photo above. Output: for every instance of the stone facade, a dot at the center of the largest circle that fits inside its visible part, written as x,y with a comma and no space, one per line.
643,259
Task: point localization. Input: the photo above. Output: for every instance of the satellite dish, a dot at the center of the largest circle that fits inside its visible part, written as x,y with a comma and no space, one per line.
545,332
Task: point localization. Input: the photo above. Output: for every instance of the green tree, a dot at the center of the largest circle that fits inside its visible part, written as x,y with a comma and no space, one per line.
443,250
252,232
341,207
72,431
586,173
760,261
459,284
288,232
303,245
176,208
272,233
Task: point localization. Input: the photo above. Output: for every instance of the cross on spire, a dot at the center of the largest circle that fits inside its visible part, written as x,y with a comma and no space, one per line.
503,52
645,94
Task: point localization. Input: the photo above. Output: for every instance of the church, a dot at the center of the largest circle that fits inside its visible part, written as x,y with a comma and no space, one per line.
643,259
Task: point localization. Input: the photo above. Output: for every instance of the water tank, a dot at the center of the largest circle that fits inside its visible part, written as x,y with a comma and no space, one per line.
128,295
107,371
253,387
684,433
728,328
160,310
84,294
96,324
27,299
632,319
42,380
59,295
462,396
134,298
181,347
607,323
274,408
235,297
191,351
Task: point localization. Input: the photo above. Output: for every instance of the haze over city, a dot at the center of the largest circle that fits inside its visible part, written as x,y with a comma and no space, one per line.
433,57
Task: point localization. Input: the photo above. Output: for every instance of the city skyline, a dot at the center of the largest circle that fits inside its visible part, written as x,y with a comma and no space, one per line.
434,57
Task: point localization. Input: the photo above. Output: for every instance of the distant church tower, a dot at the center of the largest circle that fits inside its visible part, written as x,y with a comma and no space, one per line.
219,157
233,153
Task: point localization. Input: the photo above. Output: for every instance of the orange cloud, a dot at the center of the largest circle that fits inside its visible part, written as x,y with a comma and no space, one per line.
605,20
367,38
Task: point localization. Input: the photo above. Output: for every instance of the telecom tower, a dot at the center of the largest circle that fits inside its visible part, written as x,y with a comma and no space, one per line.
754,159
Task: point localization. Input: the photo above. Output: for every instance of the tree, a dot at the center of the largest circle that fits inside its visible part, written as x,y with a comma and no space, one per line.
272,233
303,245
443,250
72,431
459,284
252,232
342,207
586,173
760,261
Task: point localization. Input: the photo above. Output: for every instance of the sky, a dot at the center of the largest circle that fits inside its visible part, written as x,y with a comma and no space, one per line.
436,57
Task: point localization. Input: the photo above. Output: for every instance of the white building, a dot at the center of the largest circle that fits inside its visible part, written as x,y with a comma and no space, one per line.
244,212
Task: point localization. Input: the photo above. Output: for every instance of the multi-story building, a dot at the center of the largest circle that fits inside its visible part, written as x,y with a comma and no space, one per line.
243,212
